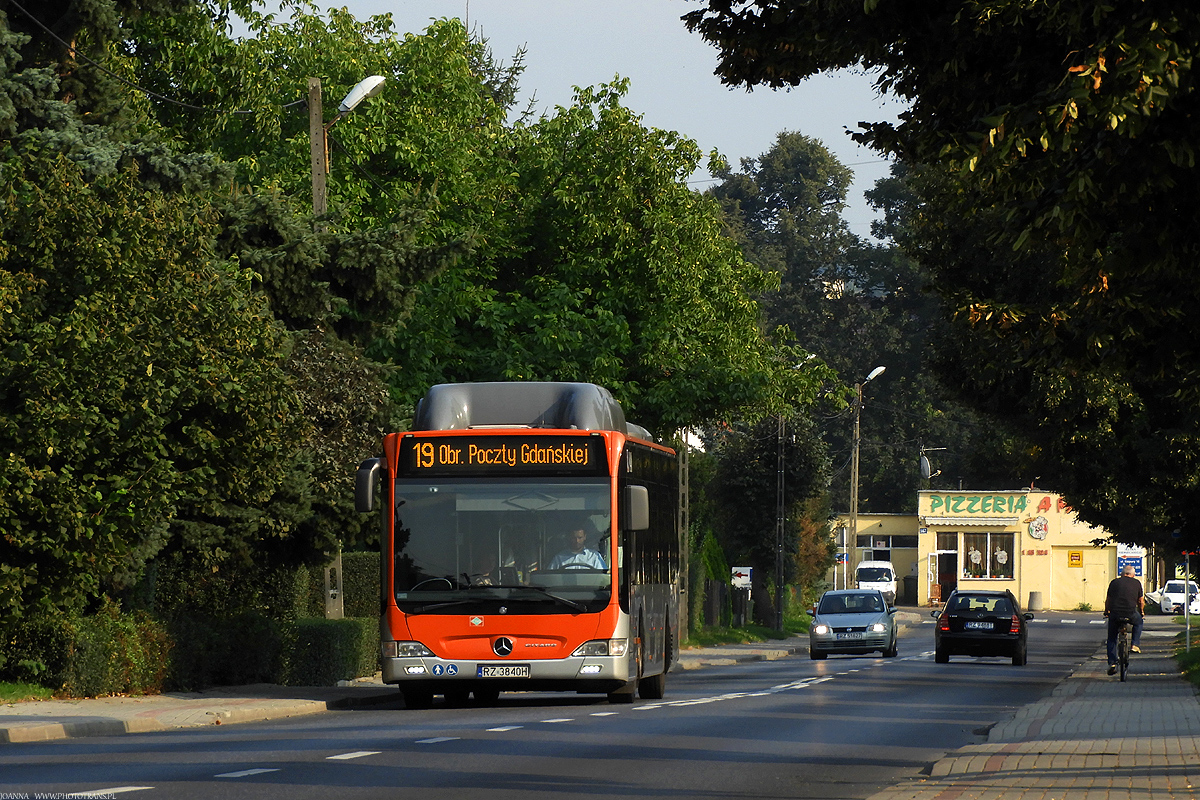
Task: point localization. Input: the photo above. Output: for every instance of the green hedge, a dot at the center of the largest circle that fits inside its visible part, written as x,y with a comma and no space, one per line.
321,652
202,628
224,651
115,653
109,652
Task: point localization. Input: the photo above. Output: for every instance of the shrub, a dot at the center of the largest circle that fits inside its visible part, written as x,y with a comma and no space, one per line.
37,649
224,651
360,582
321,652
113,653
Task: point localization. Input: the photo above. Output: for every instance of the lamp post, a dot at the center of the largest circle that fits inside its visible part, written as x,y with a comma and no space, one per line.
318,146
318,132
858,404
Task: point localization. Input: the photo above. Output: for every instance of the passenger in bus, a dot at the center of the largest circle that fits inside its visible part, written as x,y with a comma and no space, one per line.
578,555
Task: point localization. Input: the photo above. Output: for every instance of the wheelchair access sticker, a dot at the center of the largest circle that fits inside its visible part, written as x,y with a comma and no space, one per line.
448,669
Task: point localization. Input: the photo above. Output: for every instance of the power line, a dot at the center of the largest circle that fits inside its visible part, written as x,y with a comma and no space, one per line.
111,74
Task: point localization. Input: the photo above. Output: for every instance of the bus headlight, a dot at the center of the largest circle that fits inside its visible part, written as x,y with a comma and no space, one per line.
405,650
603,647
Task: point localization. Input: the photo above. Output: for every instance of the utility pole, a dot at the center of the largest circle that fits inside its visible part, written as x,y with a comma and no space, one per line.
318,148
779,520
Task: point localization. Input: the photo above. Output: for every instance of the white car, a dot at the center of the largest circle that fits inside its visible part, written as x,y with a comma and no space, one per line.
1172,597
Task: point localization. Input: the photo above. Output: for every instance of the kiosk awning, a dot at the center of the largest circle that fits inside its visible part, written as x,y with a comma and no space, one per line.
985,522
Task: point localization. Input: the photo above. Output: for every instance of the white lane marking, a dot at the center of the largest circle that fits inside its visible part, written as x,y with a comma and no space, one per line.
1098,622
437,740
604,714
355,754
114,790
699,701
1068,621
244,773
1039,620
505,728
563,719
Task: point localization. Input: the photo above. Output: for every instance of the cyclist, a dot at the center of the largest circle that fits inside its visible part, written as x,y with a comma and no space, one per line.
1124,601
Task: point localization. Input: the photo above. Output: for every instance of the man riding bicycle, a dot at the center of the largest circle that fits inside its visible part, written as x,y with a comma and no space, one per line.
1124,601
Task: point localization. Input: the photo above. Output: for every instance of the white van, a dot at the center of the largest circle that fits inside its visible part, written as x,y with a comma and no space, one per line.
879,575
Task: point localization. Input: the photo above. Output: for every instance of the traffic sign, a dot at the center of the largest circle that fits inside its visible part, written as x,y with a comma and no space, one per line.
742,576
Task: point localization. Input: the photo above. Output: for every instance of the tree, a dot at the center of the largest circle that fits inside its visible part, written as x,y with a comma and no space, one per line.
143,396
858,305
1059,216
411,172
611,270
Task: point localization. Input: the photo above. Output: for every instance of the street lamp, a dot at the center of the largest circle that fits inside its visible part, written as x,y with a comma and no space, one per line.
318,131
858,404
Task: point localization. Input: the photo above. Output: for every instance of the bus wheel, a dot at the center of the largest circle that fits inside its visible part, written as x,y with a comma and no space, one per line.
625,693
417,698
653,687
486,697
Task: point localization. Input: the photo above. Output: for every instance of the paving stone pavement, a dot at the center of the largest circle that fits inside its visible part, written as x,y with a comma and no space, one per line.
1093,737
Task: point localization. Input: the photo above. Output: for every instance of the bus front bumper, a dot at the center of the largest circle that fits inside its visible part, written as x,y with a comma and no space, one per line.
581,673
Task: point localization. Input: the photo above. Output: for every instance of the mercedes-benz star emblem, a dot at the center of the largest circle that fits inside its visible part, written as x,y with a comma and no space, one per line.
503,646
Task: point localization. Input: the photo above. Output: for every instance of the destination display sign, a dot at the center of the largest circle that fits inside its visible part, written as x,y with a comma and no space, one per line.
503,455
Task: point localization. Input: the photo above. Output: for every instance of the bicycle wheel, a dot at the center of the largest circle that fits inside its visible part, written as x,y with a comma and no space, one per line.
1123,650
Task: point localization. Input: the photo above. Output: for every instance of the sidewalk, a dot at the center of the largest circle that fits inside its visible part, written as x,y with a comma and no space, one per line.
1093,737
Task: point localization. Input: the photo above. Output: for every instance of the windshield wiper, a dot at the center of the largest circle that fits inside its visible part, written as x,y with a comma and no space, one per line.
566,602
468,600
447,604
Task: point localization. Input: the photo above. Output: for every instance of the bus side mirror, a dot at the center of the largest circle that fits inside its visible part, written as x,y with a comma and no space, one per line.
637,507
365,482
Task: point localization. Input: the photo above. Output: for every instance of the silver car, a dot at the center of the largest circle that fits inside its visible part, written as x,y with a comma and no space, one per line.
852,621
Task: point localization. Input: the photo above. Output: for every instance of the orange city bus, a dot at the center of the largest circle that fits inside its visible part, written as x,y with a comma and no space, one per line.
530,542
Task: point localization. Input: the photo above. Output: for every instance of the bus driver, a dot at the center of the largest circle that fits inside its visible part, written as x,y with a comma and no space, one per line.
577,556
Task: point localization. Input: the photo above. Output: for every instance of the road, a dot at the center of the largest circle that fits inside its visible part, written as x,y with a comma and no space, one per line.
794,728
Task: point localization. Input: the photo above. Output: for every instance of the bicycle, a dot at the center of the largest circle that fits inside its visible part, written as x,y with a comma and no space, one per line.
1123,648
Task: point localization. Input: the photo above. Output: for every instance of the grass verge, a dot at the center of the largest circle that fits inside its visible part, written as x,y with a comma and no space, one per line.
1188,660
11,692
712,637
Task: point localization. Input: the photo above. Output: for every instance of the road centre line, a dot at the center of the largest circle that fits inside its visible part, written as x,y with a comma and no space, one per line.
356,754
505,728
105,792
437,740
698,701
245,773
563,719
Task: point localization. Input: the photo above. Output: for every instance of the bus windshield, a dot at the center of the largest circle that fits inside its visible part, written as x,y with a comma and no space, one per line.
536,546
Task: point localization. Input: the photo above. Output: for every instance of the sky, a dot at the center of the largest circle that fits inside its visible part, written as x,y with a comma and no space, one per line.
573,43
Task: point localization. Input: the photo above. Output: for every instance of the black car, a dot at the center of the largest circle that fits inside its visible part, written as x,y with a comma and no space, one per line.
978,622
